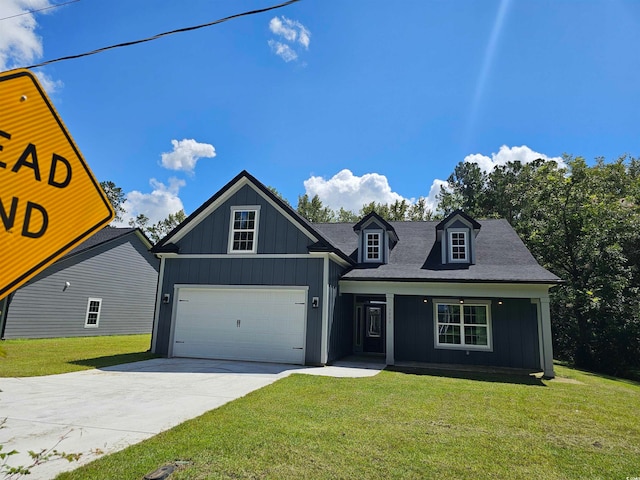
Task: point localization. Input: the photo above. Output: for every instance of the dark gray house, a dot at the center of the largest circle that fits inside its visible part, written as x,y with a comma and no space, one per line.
104,286
245,277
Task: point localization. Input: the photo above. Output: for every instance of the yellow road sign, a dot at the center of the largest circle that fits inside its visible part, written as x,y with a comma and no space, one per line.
49,199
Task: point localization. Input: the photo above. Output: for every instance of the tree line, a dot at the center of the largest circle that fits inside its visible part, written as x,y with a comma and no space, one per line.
314,210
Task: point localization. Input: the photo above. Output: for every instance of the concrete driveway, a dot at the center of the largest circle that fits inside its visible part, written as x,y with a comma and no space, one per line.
96,412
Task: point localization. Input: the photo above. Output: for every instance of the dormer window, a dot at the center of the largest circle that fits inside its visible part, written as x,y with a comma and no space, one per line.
457,237
373,242
243,231
458,246
376,237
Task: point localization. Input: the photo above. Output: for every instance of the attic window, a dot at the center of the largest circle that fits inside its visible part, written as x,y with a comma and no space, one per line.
458,246
373,245
243,231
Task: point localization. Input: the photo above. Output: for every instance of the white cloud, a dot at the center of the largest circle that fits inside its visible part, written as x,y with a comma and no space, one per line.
350,191
19,44
156,205
283,51
293,36
508,154
276,26
48,83
434,191
186,154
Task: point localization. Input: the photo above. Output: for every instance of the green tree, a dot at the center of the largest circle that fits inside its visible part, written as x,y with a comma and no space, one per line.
465,190
313,210
346,216
116,197
506,194
583,230
158,230
141,221
398,211
419,212
381,209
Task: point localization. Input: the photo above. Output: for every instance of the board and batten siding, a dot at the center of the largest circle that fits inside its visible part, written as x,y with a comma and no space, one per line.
276,234
340,317
514,330
122,272
245,271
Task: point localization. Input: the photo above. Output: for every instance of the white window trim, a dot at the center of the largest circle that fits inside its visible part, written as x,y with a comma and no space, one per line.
467,251
86,318
463,346
365,256
244,208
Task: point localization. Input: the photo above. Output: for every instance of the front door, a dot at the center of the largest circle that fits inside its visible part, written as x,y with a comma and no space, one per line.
373,338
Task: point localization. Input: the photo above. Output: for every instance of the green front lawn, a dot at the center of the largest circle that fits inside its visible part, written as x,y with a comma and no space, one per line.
48,356
403,425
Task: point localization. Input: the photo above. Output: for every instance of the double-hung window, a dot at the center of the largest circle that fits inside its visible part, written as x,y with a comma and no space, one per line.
373,246
463,325
243,231
93,313
458,246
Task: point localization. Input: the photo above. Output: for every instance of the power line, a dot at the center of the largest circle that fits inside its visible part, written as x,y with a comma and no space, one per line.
40,10
164,34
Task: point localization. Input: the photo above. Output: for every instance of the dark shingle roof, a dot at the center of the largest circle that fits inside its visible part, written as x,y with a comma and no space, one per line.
105,235
500,255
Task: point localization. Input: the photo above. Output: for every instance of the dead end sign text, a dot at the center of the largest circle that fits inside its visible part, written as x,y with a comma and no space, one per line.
59,176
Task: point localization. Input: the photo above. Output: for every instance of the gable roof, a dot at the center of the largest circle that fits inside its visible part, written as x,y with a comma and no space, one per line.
358,226
500,255
474,223
107,234
321,244
377,218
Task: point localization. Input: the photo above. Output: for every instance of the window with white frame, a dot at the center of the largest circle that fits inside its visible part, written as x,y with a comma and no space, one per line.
458,246
463,325
93,313
373,246
243,232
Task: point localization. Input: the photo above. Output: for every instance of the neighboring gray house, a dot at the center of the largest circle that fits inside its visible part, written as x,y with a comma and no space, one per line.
104,286
245,277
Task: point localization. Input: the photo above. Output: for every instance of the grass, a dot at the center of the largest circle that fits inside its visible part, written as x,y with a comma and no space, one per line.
49,356
402,425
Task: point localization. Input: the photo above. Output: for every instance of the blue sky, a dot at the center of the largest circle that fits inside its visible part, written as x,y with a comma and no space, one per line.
353,100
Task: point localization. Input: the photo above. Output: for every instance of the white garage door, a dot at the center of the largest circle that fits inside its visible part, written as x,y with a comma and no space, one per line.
265,325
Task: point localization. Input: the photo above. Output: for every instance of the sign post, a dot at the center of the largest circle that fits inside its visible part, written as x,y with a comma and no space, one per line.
49,200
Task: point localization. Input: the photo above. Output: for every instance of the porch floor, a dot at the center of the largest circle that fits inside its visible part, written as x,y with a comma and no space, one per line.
468,368
378,362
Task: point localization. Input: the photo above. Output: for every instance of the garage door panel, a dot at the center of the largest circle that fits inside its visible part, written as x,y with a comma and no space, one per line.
241,324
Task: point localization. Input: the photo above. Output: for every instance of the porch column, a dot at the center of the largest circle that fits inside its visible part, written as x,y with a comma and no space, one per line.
389,329
544,322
